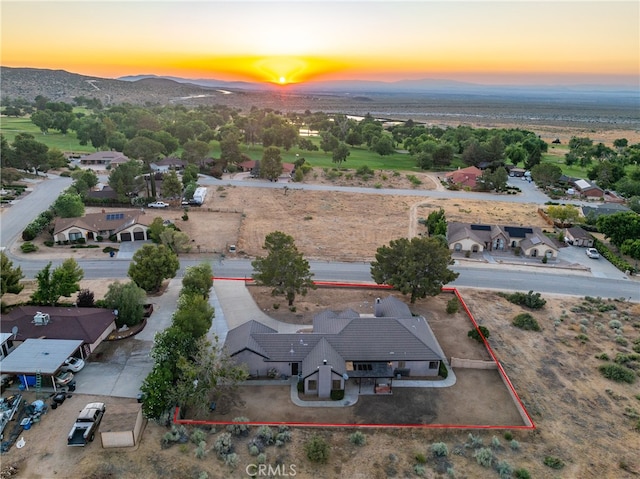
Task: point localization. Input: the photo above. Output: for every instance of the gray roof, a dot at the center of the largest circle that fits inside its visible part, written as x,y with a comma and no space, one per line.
39,355
341,337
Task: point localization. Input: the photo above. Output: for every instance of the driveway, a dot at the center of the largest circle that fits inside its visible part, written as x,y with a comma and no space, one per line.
600,268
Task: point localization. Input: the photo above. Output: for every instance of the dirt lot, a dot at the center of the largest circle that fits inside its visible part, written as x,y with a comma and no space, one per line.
582,418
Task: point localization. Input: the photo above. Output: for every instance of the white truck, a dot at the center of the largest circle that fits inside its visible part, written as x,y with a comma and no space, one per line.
85,427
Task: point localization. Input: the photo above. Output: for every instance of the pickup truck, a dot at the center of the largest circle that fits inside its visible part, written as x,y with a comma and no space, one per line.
85,427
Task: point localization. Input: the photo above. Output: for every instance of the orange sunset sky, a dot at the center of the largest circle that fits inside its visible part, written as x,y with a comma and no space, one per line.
514,42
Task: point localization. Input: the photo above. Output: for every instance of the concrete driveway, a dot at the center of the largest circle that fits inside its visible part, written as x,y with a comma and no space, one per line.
600,268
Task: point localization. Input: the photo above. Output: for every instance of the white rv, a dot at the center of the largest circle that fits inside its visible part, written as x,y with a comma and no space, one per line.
199,195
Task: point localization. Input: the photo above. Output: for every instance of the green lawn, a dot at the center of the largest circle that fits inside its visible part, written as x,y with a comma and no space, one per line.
10,127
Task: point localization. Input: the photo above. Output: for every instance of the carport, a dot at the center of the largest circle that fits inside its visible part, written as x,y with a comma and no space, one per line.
39,356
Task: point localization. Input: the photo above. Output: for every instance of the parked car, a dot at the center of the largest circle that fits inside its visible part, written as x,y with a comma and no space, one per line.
158,204
73,364
592,253
63,378
85,427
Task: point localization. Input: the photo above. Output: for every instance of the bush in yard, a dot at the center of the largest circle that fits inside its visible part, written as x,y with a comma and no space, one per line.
553,462
526,321
357,438
443,372
530,300
521,474
618,373
474,334
265,434
317,449
484,457
198,436
28,247
504,469
439,449
85,299
239,429
337,394
452,306
223,444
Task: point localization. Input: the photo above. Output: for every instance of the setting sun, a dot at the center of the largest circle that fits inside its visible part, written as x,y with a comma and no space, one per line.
283,80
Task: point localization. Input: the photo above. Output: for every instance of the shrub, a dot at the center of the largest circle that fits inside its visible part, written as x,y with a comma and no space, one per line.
85,299
439,449
317,449
603,356
337,394
515,445
504,469
28,247
553,462
201,450
223,444
357,439
615,324
618,373
530,300
262,458
443,372
453,305
484,457
283,437
526,321
474,334
474,441
231,460
239,429
508,435
495,442
521,474
419,470
265,434
198,436
253,450
421,458
48,243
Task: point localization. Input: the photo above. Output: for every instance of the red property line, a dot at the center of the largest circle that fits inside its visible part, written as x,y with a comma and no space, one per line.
525,414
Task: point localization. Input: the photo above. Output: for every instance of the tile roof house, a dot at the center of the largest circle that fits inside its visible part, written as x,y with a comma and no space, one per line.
168,163
128,225
465,177
89,325
106,158
372,349
478,238
599,210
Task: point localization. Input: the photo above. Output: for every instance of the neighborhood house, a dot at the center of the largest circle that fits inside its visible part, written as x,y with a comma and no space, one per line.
130,225
476,238
371,349
105,158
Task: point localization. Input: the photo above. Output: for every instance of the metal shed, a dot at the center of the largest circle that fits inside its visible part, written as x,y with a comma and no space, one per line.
39,356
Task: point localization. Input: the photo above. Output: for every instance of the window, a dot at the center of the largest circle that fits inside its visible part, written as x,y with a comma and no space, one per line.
402,364
336,384
534,253
434,364
75,236
363,367
458,247
312,385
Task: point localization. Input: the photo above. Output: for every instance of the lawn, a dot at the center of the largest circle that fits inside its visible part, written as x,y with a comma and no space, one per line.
10,127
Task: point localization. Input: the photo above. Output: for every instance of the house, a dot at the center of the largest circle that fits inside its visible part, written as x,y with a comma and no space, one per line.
608,209
7,344
128,225
90,326
476,238
168,163
371,349
588,189
106,158
465,177
578,237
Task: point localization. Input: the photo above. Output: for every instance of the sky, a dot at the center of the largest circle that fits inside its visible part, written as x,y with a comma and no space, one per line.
486,42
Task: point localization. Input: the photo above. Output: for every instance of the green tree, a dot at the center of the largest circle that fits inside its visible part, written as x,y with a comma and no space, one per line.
194,315
84,180
29,154
151,265
126,179
128,299
69,205
55,158
515,153
340,153
328,142
436,223
620,227
546,174
157,389
144,149
418,266
189,175
271,164
198,280
284,268
9,276
155,229
171,185
631,247
606,173
62,281
210,376
42,119
176,241
383,145
495,180
563,214
195,152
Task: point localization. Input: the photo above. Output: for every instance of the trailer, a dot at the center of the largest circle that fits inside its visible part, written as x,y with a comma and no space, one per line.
199,195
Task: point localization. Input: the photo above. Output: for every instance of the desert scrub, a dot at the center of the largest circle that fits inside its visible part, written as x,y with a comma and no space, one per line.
484,457
530,300
421,458
504,469
618,373
239,429
197,436
553,462
474,334
473,441
508,435
526,321
317,449
201,450
453,305
495,442
615,324
223,444
357,438
419,470
521,474
439,449
515,445
232,460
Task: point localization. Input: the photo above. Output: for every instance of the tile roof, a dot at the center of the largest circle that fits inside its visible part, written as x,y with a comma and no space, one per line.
106,221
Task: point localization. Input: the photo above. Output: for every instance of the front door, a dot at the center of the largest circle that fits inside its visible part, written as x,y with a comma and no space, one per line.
294,369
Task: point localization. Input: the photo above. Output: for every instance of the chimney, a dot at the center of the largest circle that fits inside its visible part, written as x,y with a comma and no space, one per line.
377,309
